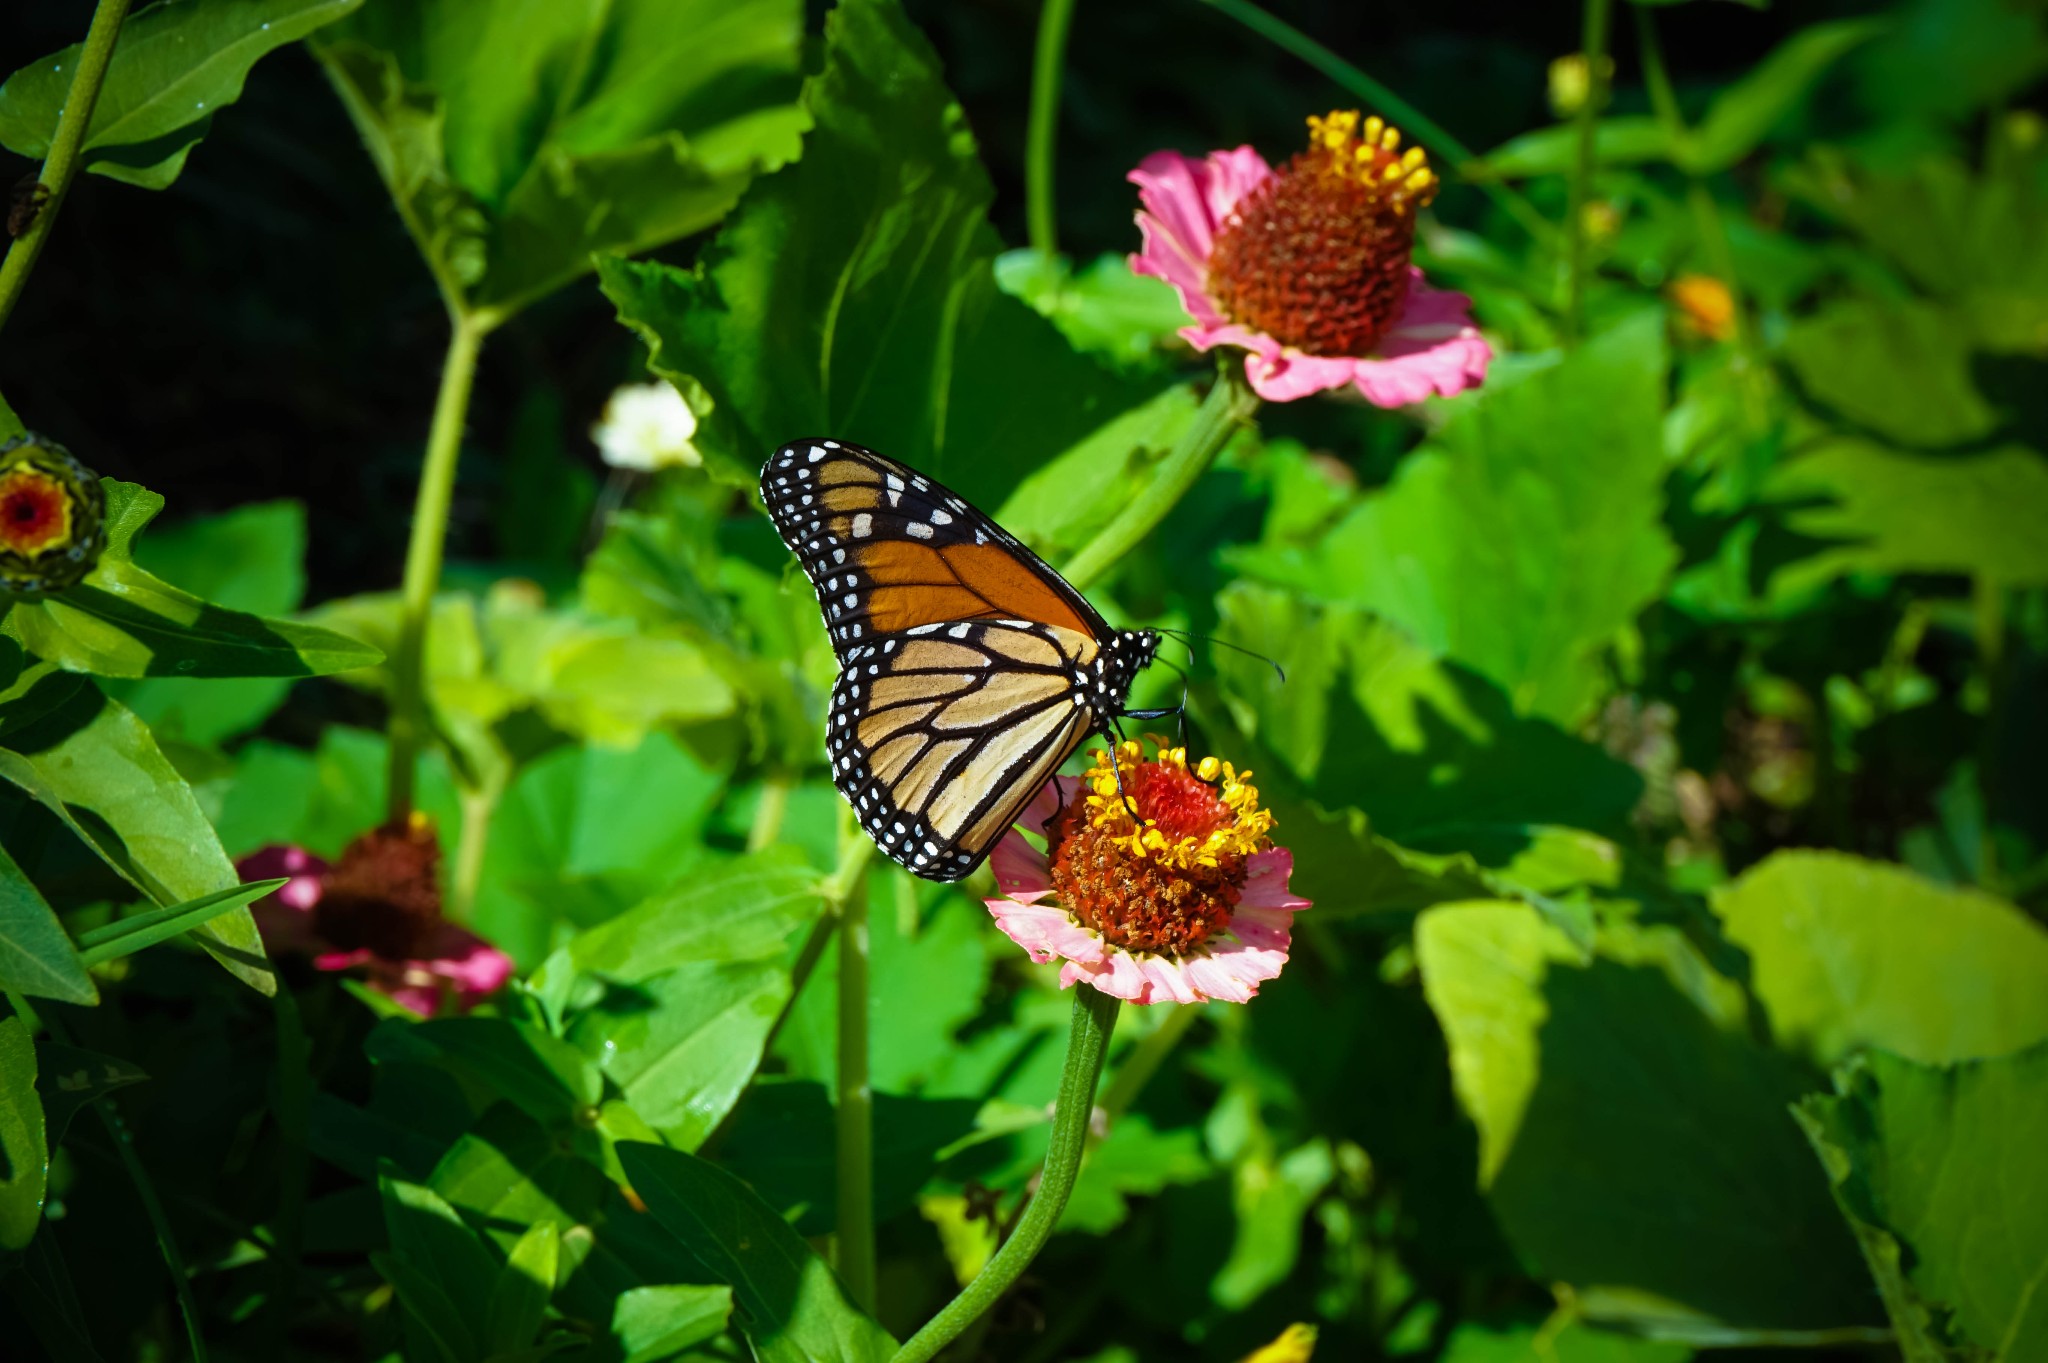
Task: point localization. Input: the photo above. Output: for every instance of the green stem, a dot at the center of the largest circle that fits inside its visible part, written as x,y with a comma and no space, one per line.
1598,15
423,558
294,1113
1418,125
65,145
1230,404
1042,132
768,813
479,808
153,1207
1094,1020
854,1117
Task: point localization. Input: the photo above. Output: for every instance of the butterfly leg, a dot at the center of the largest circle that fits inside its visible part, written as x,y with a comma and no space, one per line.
1117,741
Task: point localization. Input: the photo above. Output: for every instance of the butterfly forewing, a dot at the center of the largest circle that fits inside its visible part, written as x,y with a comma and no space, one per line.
969,670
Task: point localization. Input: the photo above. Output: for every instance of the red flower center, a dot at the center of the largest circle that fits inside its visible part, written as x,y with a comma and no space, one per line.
1143,902
1317,257
35,511
384,895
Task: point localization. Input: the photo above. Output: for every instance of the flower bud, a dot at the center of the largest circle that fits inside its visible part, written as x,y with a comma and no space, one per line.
53,517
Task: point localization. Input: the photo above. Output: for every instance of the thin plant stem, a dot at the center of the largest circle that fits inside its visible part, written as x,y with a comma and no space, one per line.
768,813
1041,134
1094,1020
1424,129
423,559
479,808
294,1115
1230,405
66,144
1593,42
853,1116
153,1208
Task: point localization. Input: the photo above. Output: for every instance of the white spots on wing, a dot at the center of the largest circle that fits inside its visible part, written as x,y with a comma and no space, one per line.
959,631
938,518
918,531
863,525
817,454
895,482
839,556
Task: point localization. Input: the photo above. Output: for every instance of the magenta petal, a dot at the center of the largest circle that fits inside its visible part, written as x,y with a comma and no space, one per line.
1021,872
1045,931
474,966
1185,202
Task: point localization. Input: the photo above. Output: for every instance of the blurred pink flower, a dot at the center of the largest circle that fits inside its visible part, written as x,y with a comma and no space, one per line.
377,911
1190,906
1308,267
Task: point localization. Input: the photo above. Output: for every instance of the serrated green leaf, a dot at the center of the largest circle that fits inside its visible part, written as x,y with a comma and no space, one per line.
1689,1204
1525,534
1888,511
1940,1170
517,141
176,63
95,766
1897,368
743,910
791,1308
1745,112
22,1142
1847,954
852,293
36,955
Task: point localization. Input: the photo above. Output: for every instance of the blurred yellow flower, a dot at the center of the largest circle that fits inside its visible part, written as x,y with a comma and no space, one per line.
1705,303
1296,1343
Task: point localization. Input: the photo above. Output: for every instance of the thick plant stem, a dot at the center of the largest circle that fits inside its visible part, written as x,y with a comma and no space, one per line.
1598,19
1094,1020
423,560
1229,405
854,1116
1425,130
1042,133
66,144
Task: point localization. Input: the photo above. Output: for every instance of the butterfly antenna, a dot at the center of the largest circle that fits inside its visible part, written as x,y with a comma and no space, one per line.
1187,640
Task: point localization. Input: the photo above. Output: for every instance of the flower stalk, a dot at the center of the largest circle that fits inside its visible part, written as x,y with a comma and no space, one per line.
1230,405
1042,132
66,146
423,558
1087,1043
1598,20
854,1114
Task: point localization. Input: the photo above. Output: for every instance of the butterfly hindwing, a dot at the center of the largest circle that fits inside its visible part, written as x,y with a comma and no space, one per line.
889,550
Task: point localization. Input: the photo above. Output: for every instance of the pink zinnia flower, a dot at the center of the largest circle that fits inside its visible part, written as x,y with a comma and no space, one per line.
1308,266
378,910
1190,905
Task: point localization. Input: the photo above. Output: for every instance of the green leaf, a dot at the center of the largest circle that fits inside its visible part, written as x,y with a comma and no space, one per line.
177,62
124,622
781,1144
743,910
1940,1170
1689,1204
509,1171
36,955
791,1308
10,424
852,293
517,141
96,767
71,1077
682,1046
1526,534
1847,954
1104,310
1746,111
444,1275
126,936
1060,506
1575,1343
1887,511
520,1299
1272,1196
542,1075
655,1323
41,1290
1899,368
1620,141
249,559
21,1137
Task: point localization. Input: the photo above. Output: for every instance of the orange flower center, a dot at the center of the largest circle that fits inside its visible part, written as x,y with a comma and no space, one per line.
1317,257
1168,880
35,511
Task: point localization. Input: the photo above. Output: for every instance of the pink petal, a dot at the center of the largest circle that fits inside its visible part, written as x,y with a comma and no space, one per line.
476,968
1185,202
1263,929
1021,870
1265,883
1290,374
345,960
1045,931
1432,349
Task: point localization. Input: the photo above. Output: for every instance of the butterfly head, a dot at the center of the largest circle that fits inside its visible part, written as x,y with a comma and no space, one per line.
1129,652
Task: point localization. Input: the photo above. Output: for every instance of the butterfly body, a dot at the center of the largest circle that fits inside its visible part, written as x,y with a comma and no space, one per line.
969,670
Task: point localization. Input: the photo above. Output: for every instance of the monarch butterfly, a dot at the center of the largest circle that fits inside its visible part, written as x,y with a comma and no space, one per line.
968,669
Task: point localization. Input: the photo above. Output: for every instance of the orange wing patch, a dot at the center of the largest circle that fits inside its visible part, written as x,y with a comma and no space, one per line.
912,584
